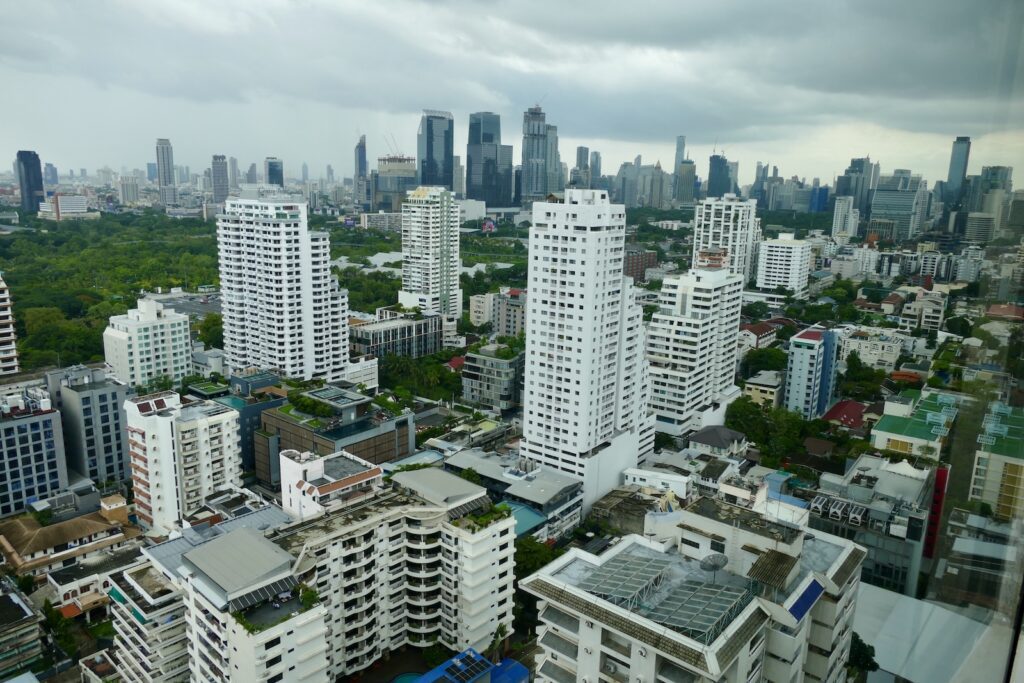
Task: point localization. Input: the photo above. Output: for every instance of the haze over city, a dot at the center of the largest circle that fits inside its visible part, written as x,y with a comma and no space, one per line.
802,85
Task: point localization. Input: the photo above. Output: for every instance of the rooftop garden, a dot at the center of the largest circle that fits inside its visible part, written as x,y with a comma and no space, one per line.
269,614
477,521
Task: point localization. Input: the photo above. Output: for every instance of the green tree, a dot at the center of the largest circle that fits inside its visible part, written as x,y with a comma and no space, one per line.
663,440
531,555
862,655
756,311
745,416
959,326
757,360
785,431
472,476
211,330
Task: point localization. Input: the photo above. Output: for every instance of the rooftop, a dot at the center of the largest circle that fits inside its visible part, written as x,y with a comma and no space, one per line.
439,487
239,560
1004,431
767,378
748,520
100,563
929,421
717,437
27,536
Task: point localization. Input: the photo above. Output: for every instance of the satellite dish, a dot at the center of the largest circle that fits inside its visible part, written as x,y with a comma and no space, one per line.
714,562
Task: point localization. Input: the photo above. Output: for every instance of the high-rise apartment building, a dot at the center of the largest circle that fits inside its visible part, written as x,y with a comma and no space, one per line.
30,181
811,372
784,262
586,389
127,190
958,159
845,220
902,198
32,458
361,174
430,253
165,172
727,229
219,177
488,162
180,454
95,436
435,149
719,178
273,171
146,343
282,308
8,336
691,348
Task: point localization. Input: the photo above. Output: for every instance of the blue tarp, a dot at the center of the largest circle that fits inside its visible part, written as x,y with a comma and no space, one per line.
806,600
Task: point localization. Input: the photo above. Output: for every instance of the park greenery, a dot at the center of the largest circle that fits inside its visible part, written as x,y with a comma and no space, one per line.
779,433
427,377
67,279
368,290
757,360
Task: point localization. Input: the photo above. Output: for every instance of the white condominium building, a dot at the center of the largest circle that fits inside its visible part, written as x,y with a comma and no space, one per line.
282,308
692,347
430,253
784,262
179,455
146,343
728,224
845,220
428,559
8,338
723,595
586,389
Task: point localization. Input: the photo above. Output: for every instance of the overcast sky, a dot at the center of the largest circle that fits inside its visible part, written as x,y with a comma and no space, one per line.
804,85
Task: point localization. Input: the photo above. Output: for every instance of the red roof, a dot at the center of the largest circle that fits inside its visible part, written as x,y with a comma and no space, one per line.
810,334
759,329
1006,311
70,611
457,362
893,298
848,413
515,292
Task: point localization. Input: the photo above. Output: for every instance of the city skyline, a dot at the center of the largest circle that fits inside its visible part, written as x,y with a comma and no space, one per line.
808,120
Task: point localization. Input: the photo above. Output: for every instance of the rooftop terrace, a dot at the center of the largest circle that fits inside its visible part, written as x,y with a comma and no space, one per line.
748,520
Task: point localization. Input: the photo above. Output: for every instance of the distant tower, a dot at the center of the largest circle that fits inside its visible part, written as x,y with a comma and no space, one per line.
30,180
489,175
435,149
232,172
50,175
165,172
957,168
719,180
595,165
305,173
430,253
680,152
219,176
251,175
273,171
535,155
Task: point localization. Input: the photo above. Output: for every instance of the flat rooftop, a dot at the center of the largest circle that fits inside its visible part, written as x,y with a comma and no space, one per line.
748,520
666,588
100,563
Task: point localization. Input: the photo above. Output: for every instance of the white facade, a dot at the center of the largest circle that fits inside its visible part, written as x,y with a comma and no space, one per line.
692,348
146,343
731,224
875,348
586,387
927,311
430,253
481,308
8,337
282,308
128,190
404,566
845,220
784,262
179,455
810,372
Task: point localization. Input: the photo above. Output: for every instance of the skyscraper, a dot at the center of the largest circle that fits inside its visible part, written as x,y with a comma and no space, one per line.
305,173
556,172
580,174
30,181
219,176
252,175
719,181
361,174
273,171
430,253
458,178
586,387
595,165
958,159
692,375
845,220
264,243
488,162
535,155
726,230
858,181
150,172
680,152
901,197
435,149
50,175
232,172
165,172
686,179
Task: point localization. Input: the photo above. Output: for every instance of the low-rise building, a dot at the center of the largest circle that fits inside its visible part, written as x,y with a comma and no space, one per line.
875,348
775,603
82,587
636,260
345,420
927,312
546,503
719,441
398,334
493,377
756,336
765,389
481,308
510,312
916,425
66,207
206,361
998,475
885,507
